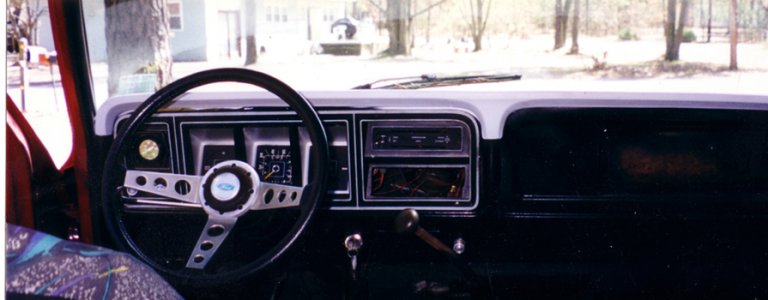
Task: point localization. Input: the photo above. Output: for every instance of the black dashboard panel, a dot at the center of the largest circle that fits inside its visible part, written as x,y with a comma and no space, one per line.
398,159
625,195
588,160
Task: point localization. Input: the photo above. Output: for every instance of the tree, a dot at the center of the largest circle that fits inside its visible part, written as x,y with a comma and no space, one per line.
575,29
733,29
399,23
674,32
558,21
478,19
561,22
251,54
709,22
399,26
137,40
564,24
23,18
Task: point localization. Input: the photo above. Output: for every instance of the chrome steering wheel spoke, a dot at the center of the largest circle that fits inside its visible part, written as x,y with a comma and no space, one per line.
213,235
183,188
271,196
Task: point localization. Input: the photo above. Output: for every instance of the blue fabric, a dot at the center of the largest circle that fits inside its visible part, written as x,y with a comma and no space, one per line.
40,264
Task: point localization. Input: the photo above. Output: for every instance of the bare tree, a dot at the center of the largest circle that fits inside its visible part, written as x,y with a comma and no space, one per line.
23,19
561,22
674,28
575,29
733,29
399,26
251,55
477,20
558,21
709,22
400,23
564,24
137,40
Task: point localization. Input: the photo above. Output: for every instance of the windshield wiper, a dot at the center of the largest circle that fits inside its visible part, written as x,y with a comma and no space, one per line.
432,80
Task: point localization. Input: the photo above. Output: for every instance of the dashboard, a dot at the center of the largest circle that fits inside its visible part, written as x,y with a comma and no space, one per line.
380,160
596,193
425,150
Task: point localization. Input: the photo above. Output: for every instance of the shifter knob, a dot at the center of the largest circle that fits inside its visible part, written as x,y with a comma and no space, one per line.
407,221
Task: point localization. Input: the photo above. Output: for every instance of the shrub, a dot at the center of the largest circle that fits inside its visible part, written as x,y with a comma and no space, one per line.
628,35
689,36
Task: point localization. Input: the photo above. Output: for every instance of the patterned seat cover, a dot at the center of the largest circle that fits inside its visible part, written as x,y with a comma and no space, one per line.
44,265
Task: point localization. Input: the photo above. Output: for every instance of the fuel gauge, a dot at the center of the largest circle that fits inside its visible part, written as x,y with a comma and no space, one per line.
149,150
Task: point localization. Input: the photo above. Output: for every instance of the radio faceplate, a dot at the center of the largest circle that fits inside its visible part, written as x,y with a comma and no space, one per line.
392,138
421,162
421,138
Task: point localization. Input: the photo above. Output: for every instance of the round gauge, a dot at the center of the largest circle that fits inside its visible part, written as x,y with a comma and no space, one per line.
149,150
274,164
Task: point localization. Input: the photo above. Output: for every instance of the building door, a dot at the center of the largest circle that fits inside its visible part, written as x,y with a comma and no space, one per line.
229,43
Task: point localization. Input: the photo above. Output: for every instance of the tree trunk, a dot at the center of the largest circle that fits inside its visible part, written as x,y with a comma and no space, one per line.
477,36
137,40
399,27
33,35
564,20
685,6
671,53
586,18
478,40
575,29
734,31
31,24
561,22
558,24
709,22
251,54
479,13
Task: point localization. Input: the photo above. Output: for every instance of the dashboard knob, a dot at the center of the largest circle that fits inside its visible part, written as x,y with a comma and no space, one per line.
353,242
459,246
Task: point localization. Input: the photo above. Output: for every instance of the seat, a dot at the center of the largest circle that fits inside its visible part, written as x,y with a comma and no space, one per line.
39,264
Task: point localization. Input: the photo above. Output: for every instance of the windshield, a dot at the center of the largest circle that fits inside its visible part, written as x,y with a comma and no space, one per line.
697,46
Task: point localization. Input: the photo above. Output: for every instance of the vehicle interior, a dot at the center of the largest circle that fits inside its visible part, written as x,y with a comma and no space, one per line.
271,191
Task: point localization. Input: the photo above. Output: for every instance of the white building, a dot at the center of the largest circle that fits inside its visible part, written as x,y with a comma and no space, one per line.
215,30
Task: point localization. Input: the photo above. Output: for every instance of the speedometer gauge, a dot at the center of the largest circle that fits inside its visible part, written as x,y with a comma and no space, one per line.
274,164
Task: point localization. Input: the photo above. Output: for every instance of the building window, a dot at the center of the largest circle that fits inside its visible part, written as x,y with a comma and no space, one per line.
174,15
328,15
276,14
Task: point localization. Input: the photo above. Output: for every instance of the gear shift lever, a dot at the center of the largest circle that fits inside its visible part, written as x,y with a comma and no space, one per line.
407,221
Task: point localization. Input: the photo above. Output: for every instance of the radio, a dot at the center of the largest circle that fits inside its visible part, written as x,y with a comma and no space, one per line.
421,138
416,138
418,163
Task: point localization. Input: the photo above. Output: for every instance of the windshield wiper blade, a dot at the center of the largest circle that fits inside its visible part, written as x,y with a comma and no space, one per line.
432,80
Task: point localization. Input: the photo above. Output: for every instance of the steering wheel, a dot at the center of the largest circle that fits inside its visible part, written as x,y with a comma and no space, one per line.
227,191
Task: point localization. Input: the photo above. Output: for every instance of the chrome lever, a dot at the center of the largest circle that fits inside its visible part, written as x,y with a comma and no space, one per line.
353,243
